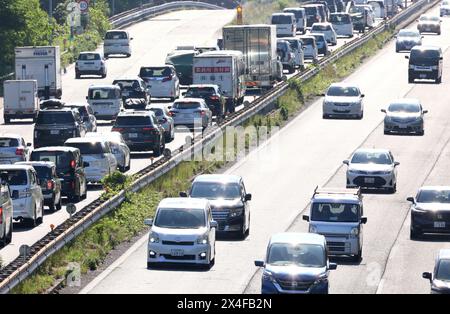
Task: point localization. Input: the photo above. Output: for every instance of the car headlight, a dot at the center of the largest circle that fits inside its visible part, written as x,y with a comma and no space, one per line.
321,279
267,275
236,212
355,232
328,103
203,239
418,210
312,229
385,172
154,237
411,67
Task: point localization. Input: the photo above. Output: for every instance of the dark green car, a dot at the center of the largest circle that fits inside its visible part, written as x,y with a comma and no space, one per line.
182,60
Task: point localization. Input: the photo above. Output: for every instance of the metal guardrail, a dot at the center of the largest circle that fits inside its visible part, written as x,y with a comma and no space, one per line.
22,267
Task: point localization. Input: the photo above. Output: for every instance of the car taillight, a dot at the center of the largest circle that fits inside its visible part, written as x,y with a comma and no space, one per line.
72,164
214,97
166,79
19,151
1,215
49,185
147,129
117,129
171,113
201,112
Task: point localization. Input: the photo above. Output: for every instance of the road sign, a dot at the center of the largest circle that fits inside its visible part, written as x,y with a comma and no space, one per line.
84,6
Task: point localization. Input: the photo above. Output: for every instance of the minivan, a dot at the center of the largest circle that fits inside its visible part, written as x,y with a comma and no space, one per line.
300,17
425,62
342,24
117,42
312,14
286,24
105,100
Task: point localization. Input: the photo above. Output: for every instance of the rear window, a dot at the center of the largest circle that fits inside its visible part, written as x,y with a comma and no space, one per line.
311,11
116,35
17,177
8,142
103,93
127,84
293,43
195,92
186,105
340,19
133,120
427,54
88,148
319,38
62,160
155,72
320,28
88,56
43,172
55,117
281,19
307,41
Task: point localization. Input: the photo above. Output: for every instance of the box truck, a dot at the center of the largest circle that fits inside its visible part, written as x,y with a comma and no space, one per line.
42,64
225,68
258,44
20,100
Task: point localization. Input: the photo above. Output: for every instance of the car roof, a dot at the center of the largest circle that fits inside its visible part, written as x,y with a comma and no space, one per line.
109,86
294,9
136,113
307,36
425,47
283,13
435,188
291,38
16,167
48,164
218,178
84,140
183,202
444,254
188,99
56,148
203,85
108,136
297,238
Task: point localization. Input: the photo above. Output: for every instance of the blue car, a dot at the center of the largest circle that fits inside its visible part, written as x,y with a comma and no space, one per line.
296,263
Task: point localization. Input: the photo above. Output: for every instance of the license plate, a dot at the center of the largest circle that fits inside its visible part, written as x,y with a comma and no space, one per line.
54,132
132,135
369,180
439,224
177,252
403,126
422,76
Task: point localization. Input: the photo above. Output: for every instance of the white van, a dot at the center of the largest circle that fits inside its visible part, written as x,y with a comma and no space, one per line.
105,100
286,24
300,17
117,42
342,24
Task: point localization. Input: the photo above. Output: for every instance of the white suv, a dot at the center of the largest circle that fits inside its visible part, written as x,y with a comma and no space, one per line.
90,63
183,232
343,100
162,81
28,201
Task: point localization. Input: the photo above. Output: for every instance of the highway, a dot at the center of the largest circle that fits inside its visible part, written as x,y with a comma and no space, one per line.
309,152
153,39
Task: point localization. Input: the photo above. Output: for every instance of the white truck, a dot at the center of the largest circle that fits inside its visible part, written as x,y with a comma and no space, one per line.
258,43
21,100
42,64
225,68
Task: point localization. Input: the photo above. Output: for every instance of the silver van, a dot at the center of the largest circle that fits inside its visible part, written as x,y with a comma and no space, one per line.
286,24
300,17
337,214
117,42
105,100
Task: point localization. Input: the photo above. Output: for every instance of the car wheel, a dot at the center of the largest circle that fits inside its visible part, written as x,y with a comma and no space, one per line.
325,116
358,257
9,236
397,50
386,132
393,189
157,151
32,222
52,206
77,76
410,80
361,115
291,69
40,220
3,239
103,75
414,234
59,204
439,80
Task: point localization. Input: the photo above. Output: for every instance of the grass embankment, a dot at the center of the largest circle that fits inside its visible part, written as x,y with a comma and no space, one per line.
259,11
91,248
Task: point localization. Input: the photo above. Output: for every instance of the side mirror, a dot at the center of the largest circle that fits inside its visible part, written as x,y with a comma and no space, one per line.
441,58
322,95
383,110
214,224
346,162
260,264
428,276
406,57
396,164
148,222
183,194
85,164
411,199
363,95
169,107
425,111
364,220
87,97
131,38
305,218
28,144
332,266
248,197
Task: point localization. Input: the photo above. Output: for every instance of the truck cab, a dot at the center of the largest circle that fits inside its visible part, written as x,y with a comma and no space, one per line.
337,214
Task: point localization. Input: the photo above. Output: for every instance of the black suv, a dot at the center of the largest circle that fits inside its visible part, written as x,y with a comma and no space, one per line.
55,126
212,95
141,131
425,62
69,167
133,88
50,183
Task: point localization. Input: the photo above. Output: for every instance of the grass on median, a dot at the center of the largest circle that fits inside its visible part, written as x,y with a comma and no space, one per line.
91,248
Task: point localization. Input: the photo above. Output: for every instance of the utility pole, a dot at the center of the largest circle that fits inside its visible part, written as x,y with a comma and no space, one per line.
113,7
50,18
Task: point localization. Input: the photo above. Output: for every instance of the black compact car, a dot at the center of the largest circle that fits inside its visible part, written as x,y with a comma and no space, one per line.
133,88
213,97
141,131
69,168
50,183
54,126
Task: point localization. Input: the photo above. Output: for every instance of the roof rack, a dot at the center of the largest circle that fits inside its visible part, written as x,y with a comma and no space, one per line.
355,191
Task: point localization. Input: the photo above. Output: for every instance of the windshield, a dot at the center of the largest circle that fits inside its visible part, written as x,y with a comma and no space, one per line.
43,172
180,218
103,93
186,105
305,255
335,212
17,177
408,33
8,142
307,41
379,158
425,56
407,108
211,190
89,56
116,35
200,92
311,11
443,270
340,19
434,196
62,117
281,19
94,148
343,91
425,18
319,38
62,160
155,72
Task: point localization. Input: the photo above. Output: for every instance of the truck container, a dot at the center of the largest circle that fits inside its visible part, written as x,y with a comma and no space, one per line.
21,100
42,64
182,60
225,68
258,44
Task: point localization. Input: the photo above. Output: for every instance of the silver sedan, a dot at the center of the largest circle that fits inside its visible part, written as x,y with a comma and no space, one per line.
191,112
404,116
